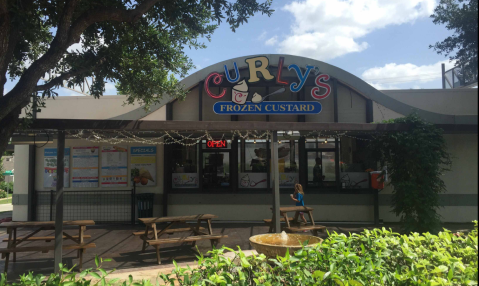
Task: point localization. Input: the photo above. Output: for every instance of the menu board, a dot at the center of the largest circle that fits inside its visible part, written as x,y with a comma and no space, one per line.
50,168
85,167
114,166
143,166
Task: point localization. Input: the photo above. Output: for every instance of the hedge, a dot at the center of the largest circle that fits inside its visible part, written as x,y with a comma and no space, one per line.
376,257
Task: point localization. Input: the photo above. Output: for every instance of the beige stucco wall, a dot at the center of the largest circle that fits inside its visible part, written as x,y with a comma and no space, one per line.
381,113
445,101
351,106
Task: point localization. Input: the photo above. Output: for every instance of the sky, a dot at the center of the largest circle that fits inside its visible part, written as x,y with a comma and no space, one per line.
384,42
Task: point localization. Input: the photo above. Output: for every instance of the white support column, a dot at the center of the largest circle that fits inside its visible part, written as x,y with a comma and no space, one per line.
275,176
20,188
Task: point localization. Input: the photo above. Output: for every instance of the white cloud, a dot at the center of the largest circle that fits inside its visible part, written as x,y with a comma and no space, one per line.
392,74
271,41
262,36
325,29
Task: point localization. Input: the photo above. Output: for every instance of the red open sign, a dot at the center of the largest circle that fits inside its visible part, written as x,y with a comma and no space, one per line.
216,144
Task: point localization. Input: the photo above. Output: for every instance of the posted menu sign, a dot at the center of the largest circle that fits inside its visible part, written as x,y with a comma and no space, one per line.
114,166
50,168
85,167
143,165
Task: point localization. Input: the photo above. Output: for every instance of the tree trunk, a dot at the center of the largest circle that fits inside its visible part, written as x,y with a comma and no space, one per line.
8,126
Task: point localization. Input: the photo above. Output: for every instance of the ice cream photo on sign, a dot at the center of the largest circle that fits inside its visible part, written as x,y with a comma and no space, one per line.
240,93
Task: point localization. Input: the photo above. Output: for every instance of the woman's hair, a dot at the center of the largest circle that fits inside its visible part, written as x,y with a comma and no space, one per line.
299,188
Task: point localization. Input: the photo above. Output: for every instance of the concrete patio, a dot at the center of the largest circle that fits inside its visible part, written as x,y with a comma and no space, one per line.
118,243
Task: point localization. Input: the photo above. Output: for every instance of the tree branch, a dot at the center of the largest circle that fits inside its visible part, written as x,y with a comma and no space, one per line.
64,76
27,83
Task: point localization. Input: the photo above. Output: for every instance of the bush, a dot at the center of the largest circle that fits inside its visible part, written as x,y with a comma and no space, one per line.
377,257
3,194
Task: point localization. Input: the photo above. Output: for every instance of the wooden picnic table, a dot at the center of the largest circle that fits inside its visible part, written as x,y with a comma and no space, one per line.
151,235
292,223
13,241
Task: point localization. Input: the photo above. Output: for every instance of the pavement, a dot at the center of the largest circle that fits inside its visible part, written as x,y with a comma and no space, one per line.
6,208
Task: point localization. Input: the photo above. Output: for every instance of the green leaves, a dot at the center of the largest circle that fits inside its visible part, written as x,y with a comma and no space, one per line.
416,160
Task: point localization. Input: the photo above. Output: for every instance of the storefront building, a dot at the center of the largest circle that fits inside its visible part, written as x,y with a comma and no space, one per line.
229,173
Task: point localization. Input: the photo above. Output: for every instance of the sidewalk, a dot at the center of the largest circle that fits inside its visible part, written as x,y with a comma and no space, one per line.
6,208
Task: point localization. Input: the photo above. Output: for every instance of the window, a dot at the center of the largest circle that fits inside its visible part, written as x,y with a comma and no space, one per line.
184,164
216,169
253,164
321,162
184,159
354,164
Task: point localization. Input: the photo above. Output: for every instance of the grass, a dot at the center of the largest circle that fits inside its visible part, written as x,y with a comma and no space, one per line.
7,200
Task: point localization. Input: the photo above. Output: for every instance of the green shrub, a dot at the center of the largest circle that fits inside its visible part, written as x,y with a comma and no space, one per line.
377,257
3,194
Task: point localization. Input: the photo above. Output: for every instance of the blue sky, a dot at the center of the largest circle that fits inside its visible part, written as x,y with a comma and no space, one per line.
385,42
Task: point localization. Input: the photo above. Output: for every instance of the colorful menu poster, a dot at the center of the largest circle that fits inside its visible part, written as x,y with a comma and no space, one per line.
114,166
50,168
143,166
85,167
185,180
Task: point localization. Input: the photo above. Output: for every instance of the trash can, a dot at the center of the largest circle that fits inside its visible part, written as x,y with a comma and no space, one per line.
145,204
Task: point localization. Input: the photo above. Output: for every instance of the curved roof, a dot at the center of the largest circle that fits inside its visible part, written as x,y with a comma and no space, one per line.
341,75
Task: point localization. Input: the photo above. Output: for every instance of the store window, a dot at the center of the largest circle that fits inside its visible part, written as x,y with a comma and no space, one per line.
184,166
288,163
216,169
252,158
354,164
321,163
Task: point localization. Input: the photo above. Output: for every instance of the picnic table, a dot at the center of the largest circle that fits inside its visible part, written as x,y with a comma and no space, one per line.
293,224
151,235
13,241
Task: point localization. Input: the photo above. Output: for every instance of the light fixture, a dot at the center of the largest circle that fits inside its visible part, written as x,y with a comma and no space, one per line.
326,141
279,141
254,141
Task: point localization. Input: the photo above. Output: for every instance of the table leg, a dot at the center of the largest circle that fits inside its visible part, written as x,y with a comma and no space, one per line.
145,237
310,214
285,215
14,242
153,226
80,239
80,264
296,217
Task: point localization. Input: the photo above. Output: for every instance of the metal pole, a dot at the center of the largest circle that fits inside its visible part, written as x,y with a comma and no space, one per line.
275,174
443,68
59,201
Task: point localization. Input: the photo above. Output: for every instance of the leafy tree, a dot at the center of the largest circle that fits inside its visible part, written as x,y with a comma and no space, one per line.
138,44
461,17
416,160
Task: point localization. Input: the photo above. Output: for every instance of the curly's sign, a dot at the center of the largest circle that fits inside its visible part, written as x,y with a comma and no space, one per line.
243,102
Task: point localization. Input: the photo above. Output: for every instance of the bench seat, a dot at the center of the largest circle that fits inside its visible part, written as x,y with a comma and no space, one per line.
269,220
301,228
185,239
168,231
46,248
46,238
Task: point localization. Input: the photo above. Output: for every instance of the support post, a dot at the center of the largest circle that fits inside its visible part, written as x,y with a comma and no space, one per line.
275,174
443,68
59,200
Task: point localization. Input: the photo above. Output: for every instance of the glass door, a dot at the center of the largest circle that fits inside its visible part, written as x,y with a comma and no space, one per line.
216,170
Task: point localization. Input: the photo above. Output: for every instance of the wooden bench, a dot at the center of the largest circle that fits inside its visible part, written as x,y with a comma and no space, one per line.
268,221
213,238
151,235
308,227
45,249
168,231
46,238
